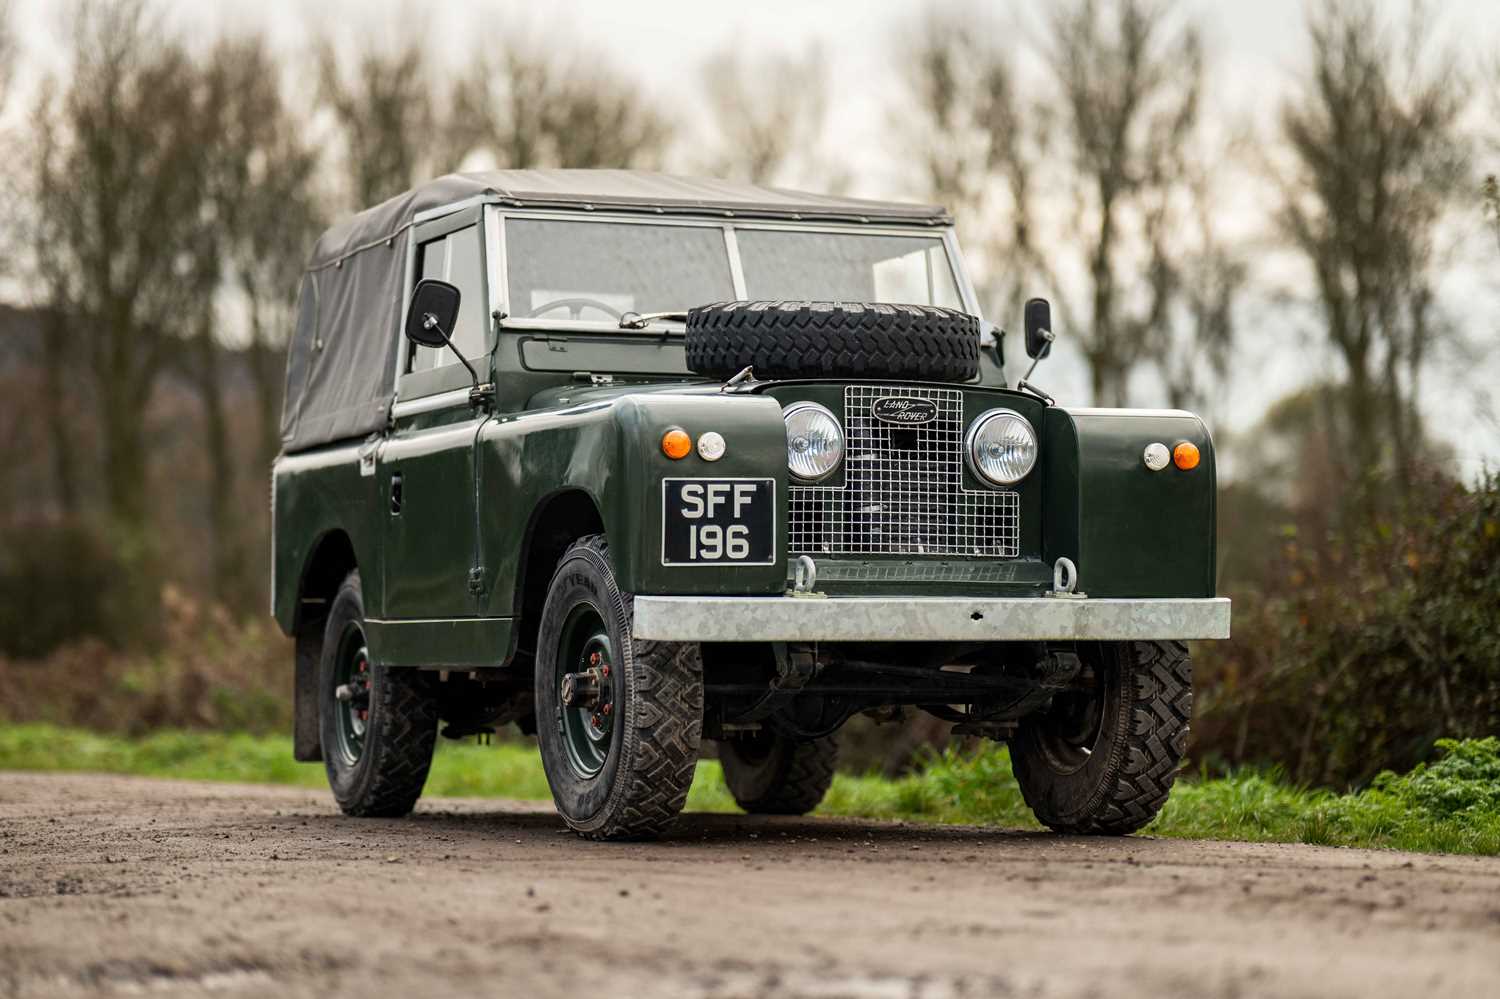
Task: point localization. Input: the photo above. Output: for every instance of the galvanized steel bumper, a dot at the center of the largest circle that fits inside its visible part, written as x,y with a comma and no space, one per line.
926,619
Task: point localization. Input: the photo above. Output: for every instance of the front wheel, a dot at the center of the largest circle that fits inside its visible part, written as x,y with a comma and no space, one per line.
1103,760
377,725
618,719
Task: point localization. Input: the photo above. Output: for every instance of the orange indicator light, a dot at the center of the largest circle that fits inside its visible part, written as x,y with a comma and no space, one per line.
675,444
1185,456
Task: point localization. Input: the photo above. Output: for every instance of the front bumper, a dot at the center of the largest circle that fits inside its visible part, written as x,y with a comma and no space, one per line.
927,619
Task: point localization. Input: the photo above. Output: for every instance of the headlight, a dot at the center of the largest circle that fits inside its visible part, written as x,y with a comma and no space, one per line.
814,441
1002,447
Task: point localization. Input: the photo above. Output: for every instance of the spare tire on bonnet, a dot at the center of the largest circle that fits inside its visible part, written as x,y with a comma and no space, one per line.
833,340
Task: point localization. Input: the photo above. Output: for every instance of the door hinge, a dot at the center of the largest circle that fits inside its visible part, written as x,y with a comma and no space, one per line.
476,580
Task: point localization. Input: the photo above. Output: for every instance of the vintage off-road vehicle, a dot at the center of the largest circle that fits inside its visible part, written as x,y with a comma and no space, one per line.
634,461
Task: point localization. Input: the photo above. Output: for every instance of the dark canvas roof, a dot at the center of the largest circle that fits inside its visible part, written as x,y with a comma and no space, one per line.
341,358
630,190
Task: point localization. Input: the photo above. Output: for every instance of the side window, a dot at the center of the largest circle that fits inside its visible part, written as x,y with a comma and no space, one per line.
455,258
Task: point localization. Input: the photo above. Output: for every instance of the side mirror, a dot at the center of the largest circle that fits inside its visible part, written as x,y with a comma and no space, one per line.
1039,336
430,321
434,310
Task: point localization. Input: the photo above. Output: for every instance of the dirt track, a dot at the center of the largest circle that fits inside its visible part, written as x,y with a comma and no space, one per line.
122,886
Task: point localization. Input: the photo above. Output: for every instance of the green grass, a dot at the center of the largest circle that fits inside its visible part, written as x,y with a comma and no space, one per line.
1449,806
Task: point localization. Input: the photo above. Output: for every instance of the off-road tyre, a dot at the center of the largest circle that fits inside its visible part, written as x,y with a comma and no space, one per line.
657,697
401,729
770,774
833,340
1145,698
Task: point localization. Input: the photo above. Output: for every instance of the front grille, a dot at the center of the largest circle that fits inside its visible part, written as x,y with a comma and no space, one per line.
903,491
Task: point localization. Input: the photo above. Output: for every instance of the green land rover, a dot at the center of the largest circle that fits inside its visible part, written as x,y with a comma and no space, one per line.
635,461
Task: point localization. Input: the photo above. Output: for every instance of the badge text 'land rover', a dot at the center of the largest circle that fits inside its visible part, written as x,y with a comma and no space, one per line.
489,509
908,412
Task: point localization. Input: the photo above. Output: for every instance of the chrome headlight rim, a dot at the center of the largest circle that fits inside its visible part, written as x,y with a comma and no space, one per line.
792,409
971,437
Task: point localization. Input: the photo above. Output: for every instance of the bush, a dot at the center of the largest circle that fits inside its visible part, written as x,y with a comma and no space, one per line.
1358,653
57,583
210,671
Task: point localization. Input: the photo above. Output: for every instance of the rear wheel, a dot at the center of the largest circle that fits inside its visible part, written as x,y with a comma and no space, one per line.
770,774
377,725
618,719
1103,760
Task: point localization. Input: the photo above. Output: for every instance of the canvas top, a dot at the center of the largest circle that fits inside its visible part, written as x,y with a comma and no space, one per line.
614,190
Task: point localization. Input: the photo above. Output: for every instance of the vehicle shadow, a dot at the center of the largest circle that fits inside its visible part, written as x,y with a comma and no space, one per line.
704,828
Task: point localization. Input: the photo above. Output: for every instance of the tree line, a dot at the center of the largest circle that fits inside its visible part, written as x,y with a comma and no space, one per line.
162,195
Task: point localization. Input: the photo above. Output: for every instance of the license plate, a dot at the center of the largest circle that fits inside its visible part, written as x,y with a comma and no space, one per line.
718,521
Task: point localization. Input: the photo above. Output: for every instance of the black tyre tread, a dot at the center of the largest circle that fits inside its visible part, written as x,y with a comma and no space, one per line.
398,754
806,775
1160,688
833,339
410,737
668,727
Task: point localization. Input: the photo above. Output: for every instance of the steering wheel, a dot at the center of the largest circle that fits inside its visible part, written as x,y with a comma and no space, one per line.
575,307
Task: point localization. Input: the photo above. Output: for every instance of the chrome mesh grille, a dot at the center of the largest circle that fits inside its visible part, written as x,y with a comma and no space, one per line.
904,490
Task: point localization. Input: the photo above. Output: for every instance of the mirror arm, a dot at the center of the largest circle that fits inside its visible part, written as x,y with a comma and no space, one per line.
477,394
1025,385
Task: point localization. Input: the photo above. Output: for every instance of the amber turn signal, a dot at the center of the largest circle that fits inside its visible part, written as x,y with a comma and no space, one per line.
1185,456
675,444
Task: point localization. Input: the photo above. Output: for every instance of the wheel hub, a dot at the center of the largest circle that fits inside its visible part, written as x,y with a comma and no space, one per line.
352,694
585,692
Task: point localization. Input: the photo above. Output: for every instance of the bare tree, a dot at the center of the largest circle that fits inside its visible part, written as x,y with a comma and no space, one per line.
1193,349
7,50
769,114
1128,108
522,107
258,198
1490,187
268,202
383,107
118,177
1115,134
1376,157
977,145
1491,191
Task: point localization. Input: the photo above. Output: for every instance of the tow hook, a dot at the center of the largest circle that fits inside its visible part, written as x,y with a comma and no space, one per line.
582,690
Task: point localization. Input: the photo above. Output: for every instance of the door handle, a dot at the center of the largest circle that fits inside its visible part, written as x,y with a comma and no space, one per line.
395,494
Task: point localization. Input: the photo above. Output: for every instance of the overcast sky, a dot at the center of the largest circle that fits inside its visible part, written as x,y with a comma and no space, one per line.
1255,48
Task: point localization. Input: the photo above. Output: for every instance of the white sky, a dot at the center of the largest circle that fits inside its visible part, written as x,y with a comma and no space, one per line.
1254,46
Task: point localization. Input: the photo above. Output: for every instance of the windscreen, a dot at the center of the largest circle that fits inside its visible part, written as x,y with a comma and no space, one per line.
597,271
847,267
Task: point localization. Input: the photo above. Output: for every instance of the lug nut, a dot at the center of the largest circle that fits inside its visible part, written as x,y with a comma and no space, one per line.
608,708
594,658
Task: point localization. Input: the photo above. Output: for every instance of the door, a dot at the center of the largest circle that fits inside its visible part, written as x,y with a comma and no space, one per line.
426,466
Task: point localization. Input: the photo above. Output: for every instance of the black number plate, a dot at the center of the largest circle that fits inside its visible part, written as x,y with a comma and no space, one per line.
718,521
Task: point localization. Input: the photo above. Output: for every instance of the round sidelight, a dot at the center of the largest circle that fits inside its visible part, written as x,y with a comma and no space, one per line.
814,441
1002,447
711,446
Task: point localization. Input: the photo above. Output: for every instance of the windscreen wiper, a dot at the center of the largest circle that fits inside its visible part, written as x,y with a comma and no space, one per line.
640,320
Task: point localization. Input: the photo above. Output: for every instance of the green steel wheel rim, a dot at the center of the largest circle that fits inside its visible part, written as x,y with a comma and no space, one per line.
352,676
587,730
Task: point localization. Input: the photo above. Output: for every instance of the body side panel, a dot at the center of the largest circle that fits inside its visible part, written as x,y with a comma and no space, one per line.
315,494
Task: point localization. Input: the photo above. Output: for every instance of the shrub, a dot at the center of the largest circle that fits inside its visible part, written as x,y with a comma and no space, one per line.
1358,653
57,580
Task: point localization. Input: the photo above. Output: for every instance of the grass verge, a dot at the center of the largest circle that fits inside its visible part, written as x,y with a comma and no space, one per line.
1451,805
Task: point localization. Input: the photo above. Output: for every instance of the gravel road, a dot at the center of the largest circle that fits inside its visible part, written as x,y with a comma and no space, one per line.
120,886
